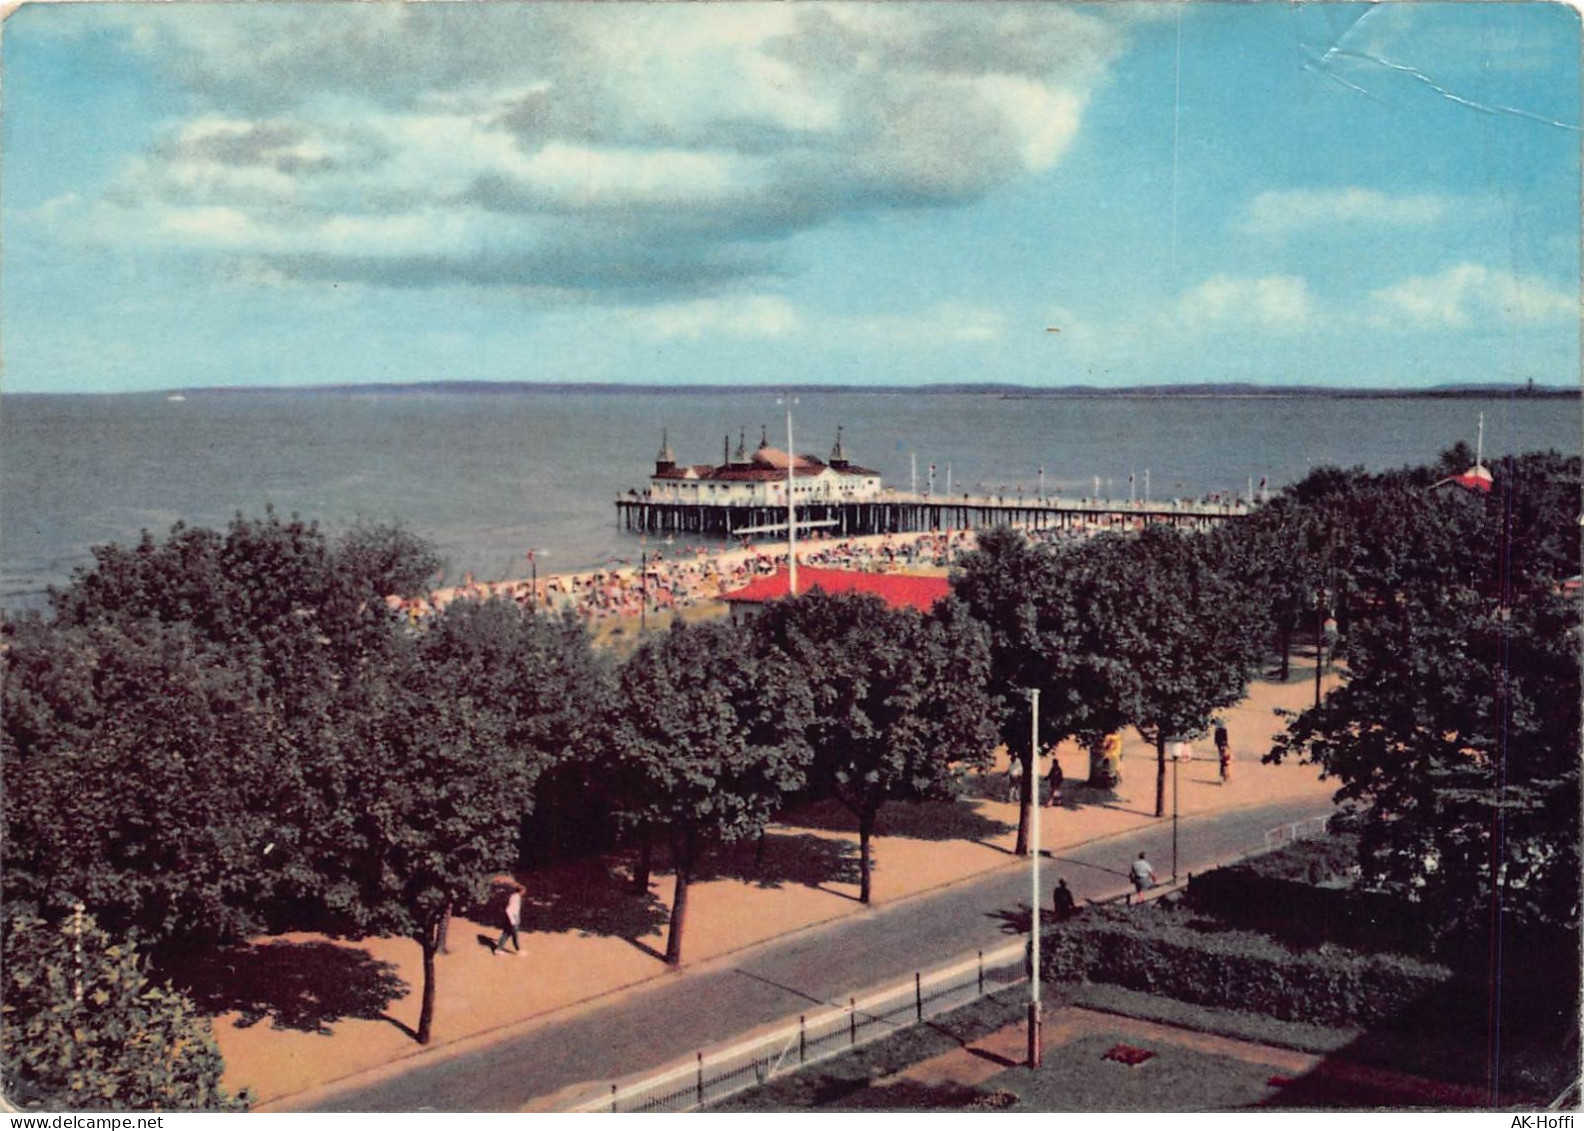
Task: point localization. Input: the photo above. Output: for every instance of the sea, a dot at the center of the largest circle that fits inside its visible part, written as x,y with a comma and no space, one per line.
488,476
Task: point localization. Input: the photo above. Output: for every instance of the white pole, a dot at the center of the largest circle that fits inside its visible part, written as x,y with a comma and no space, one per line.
791,507
1035,899
1479,444
77,952
948,479
912,473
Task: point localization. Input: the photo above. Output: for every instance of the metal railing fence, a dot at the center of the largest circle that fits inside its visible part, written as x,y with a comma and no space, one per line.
715,1074
721,1072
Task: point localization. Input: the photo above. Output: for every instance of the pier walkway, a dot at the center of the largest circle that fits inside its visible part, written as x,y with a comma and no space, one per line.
897,512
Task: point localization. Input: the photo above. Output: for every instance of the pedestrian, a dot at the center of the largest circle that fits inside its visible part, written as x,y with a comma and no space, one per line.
1142,874
1223,750
1013,774
1055,780
1066,906
512,918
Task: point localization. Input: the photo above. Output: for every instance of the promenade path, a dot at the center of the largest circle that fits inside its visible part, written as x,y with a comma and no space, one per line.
591,1001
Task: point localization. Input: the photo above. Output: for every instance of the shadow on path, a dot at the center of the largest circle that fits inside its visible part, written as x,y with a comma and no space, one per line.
779,859
591,898
303,986
910,820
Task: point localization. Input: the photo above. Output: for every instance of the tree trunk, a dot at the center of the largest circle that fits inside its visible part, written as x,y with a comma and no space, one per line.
866,825
645,864
445,929
682,850
1160,772
1026,808
430,944
1284,640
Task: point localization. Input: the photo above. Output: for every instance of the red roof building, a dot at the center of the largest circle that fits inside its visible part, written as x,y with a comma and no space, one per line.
1476,478
897,590
761,477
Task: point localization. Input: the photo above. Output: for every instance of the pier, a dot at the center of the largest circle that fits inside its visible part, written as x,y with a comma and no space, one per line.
900,513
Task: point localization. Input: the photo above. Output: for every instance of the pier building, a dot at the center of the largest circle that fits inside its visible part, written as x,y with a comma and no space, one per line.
746,496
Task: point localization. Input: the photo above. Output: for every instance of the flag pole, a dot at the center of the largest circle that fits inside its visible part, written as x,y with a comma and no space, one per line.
791,506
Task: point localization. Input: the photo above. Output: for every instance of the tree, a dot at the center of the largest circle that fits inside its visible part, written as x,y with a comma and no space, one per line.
1021,594
708,745
1188,633
86,1028
415,801
141,776
166,723
900,700
1456,729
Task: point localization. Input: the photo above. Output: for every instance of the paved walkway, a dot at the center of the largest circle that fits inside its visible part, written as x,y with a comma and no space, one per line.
781,934
548,1061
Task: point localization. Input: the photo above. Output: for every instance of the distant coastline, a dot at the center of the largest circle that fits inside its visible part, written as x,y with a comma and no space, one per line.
1231,390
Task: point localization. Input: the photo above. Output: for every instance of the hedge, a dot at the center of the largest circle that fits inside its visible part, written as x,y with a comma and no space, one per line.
1245,896
1165,951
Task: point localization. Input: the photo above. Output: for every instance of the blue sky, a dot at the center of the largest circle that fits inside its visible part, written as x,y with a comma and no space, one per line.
297,194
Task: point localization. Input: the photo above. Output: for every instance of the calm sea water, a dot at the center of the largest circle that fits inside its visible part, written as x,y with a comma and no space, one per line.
489,476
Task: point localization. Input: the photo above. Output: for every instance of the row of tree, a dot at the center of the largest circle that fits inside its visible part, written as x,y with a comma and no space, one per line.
231,731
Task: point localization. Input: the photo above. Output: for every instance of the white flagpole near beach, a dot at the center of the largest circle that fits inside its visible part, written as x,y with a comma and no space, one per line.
791,507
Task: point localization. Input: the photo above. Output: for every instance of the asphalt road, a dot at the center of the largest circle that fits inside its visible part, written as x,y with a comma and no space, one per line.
677,1014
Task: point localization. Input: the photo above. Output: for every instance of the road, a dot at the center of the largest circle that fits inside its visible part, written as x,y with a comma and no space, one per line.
677,1014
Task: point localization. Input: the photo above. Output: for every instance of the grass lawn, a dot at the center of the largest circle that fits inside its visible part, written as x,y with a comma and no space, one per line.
1078,1077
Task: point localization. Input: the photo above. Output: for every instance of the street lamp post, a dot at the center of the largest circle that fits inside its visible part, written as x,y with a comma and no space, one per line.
1176,757
1319,640
1034,1047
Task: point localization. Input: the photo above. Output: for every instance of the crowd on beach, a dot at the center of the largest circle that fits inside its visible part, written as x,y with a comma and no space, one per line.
672,577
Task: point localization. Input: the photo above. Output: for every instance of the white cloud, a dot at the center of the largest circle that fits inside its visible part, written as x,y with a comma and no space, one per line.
752,316
1273,302
946,323
1292,210
1470,293
646,151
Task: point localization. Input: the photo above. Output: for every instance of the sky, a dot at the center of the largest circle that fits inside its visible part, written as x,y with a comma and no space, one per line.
1050,194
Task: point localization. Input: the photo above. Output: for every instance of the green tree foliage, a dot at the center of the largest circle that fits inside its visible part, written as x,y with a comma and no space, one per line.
167,720
1187,630
85,1028
1456,728
709,743
273,592
417,795
901,702
140,775
1023,596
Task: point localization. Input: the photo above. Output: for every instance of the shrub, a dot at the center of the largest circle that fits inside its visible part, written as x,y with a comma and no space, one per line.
86,1028
1168,952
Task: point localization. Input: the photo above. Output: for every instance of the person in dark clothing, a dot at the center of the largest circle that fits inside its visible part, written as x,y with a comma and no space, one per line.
1055,780
1066,906
1223,750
